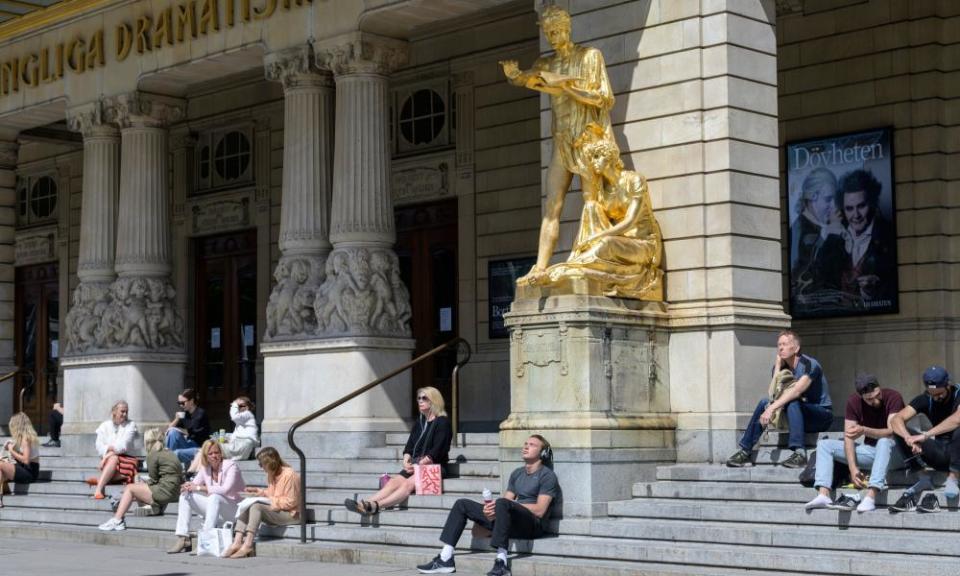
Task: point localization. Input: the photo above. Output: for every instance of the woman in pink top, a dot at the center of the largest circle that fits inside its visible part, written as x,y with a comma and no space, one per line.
214,493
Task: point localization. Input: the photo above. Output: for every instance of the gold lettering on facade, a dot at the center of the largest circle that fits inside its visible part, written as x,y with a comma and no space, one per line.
163,28
95,50
29,70
209,16
269,7
76,61
10,76
143,39
124,41
186,18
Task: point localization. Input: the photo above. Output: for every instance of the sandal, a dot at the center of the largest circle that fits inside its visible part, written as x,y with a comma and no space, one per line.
354,506
371,508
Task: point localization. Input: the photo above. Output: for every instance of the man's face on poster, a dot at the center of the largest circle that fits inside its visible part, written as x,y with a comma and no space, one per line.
858,211
821,204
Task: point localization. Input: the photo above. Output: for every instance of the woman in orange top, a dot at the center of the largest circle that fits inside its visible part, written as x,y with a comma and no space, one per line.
283,492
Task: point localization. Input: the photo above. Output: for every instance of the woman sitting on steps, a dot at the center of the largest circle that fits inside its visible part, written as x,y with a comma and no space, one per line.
429,443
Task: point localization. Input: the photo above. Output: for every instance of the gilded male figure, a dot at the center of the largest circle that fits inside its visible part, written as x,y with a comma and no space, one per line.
575,77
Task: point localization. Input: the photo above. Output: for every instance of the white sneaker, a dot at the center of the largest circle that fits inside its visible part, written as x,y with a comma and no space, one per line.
868,505
820,501
113,524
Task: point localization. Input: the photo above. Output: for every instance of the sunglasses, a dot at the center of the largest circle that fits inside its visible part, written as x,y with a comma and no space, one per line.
423,399
179,403
241,405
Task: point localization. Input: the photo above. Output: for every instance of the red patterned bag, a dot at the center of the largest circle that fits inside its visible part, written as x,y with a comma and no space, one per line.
428,479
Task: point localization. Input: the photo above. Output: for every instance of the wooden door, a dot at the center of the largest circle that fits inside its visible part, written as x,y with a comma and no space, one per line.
37,320
427,248
226,323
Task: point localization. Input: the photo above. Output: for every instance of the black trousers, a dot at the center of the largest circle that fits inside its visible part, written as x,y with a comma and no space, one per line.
943,455
513,520
56,423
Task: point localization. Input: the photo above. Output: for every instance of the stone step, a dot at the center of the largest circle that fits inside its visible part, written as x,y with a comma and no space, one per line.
403,557
772,558
792,514
767,474
463,439
862,539
375,467
761,493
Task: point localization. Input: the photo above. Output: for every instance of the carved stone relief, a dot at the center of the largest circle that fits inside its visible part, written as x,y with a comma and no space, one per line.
133,312
35,246
363,294
290,309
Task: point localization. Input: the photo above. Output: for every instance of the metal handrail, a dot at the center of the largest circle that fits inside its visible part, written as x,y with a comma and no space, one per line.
453,407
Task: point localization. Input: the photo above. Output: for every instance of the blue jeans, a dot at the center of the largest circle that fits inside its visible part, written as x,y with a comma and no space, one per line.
880,458
803,417
183,447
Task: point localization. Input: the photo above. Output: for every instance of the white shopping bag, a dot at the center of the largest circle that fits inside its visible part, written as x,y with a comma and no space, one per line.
215,541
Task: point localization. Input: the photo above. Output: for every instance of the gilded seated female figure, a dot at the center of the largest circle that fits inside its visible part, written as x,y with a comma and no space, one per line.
619,244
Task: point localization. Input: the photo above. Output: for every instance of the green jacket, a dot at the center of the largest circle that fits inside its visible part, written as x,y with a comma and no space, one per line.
166,476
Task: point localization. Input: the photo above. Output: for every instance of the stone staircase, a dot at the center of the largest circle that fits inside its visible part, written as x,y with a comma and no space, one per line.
693,519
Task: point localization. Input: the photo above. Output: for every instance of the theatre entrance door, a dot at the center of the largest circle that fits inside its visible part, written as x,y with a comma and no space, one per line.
427,247
37,320
226,338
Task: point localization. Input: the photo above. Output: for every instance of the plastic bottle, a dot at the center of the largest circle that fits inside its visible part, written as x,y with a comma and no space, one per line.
487,495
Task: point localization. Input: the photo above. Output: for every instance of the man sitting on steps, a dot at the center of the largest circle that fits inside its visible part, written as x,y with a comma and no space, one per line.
807,402
520,513
938,447
868,413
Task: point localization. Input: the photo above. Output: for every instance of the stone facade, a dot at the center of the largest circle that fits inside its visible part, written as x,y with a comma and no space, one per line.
707,94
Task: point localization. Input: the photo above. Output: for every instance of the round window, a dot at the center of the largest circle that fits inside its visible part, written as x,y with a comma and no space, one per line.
231,158
422,117
43,197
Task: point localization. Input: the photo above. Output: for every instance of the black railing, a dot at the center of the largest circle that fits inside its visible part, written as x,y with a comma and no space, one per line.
459,343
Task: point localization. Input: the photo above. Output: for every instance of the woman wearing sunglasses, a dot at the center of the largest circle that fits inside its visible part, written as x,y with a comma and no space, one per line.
244,438
429,443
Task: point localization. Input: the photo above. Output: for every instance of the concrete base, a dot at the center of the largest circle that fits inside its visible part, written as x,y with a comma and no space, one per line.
92,384
590,374
304,376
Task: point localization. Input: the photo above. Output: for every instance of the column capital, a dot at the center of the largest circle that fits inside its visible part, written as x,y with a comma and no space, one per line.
296,68
8,154
139,109
361,53
91,119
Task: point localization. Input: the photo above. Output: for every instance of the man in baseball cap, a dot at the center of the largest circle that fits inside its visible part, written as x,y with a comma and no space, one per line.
939,447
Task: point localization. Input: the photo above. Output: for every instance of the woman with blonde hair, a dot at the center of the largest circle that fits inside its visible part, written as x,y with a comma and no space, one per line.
429,443
115,439
213,493
24,450
283,494
163,486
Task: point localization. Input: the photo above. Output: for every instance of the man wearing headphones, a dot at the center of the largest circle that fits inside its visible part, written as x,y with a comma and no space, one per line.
520,513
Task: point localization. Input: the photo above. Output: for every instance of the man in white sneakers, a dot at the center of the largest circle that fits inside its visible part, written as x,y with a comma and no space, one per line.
869,413
520,513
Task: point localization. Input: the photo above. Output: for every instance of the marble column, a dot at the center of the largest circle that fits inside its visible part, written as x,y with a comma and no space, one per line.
8,219
139,352
307,179
98,221
361,309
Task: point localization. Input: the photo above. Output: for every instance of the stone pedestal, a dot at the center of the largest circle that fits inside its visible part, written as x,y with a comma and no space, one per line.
149,382
305,376
591,374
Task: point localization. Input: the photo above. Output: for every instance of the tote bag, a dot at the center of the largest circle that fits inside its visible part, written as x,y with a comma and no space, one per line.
215,541
428,479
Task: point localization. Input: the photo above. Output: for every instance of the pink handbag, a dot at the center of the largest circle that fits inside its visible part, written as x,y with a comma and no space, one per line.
428,479
383,480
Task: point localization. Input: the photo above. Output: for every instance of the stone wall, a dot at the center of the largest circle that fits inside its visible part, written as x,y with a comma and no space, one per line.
845,66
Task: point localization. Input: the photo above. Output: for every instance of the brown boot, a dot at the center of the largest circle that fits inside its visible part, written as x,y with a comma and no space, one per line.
183,545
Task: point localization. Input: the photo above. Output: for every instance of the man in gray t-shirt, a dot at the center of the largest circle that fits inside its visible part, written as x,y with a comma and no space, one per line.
531,491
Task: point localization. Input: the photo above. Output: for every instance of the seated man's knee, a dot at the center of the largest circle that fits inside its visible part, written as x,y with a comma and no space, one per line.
885,443
502,504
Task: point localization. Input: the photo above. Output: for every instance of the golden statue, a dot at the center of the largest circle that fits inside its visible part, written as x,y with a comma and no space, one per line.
575,77
619,245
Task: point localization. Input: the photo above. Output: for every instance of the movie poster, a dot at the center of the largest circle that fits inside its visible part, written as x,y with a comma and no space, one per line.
843,237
